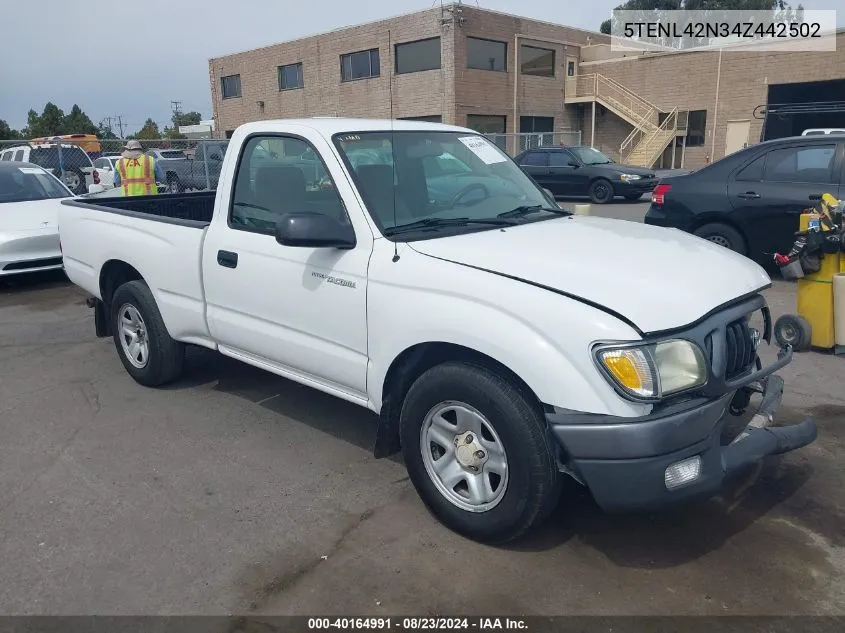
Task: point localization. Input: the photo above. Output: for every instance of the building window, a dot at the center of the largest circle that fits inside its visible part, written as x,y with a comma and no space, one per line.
290,77
414,57
434,118
533,124
487,54
696,125
229,133
539,62
359,65
231,86
570,68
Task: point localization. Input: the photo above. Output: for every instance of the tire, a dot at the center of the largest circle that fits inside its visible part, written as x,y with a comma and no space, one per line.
601,191
521,495
174,185
633,197
75,181
794,330
723,235
134,306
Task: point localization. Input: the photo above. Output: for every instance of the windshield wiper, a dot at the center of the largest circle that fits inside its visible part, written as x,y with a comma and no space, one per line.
429,223
524,210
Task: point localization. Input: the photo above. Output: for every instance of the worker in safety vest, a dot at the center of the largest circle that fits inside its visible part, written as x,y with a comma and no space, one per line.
136,172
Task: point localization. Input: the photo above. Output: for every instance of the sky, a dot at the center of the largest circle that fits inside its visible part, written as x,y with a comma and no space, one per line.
112,61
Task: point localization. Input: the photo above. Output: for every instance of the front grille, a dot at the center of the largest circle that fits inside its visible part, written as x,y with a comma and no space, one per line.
739,349
34,263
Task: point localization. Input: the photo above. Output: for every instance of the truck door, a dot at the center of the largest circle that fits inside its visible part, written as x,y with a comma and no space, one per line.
299,310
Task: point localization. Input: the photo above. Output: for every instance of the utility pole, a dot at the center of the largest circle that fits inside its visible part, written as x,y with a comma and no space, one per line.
119,124
176,113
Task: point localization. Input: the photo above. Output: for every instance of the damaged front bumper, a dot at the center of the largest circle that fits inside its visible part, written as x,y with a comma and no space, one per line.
679,453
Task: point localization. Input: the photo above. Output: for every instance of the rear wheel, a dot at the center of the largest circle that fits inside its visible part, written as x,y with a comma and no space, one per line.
75,181
723,235
174,185
146,349
601,191
477,452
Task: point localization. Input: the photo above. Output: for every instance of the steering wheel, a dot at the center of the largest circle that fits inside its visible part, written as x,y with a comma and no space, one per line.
453,202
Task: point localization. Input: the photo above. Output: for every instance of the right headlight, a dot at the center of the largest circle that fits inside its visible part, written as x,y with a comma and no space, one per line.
653,371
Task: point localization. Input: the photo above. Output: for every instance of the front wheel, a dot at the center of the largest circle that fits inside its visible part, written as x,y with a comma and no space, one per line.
601,191
477,453
145,347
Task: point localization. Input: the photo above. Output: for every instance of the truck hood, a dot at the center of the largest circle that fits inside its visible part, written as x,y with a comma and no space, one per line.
656,278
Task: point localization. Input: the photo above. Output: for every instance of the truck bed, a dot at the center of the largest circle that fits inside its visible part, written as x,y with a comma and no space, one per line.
159,236
186,209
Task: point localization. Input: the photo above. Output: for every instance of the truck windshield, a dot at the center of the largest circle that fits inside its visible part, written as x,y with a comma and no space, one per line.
432,181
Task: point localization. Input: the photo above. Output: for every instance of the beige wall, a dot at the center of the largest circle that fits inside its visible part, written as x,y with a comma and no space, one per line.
417,94
452,92
688,81
490,92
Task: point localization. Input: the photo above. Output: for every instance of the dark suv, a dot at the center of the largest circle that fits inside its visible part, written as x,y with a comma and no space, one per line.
750,201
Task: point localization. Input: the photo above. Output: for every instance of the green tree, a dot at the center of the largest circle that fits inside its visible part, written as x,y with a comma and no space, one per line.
187,118
105,132
656,6
77,122
148,131
7,133
49,123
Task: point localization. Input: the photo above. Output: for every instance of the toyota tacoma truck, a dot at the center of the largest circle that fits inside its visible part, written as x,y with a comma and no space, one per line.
503,342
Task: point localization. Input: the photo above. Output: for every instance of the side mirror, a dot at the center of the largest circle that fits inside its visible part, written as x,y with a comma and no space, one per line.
549,193
313,230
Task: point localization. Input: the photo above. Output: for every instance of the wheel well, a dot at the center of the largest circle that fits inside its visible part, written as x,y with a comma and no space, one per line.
113,275
415,361
718,219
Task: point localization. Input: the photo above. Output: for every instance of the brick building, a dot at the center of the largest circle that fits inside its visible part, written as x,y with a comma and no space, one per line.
505,75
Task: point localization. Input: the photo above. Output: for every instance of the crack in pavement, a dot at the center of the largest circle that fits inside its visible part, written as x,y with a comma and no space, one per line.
292,577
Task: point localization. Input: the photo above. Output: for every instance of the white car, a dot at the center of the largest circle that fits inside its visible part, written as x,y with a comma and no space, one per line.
29,232
79,172
106,167
503,342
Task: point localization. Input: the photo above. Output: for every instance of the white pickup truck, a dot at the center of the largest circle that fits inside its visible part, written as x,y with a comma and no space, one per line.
415,270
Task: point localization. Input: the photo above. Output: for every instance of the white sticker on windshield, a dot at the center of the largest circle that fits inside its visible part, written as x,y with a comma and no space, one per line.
483,148
31,170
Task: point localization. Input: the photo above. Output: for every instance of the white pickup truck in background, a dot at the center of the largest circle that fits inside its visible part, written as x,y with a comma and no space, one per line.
418,272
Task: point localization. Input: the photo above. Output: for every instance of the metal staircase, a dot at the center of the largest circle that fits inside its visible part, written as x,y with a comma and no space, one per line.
653,130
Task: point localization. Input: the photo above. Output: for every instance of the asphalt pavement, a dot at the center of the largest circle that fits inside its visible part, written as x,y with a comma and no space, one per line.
236,491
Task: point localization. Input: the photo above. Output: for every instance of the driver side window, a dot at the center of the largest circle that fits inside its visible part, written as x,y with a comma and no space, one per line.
278,175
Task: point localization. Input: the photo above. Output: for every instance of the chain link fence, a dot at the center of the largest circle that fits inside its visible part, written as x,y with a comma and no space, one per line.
515,144
89,166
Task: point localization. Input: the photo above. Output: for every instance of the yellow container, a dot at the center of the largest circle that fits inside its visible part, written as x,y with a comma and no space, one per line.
815,295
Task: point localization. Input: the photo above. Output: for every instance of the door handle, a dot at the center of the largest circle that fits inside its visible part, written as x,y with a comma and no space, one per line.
227,259
749,195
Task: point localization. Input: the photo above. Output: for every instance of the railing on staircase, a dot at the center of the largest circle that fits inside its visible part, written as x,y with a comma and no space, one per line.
650,147
639,110
650,135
